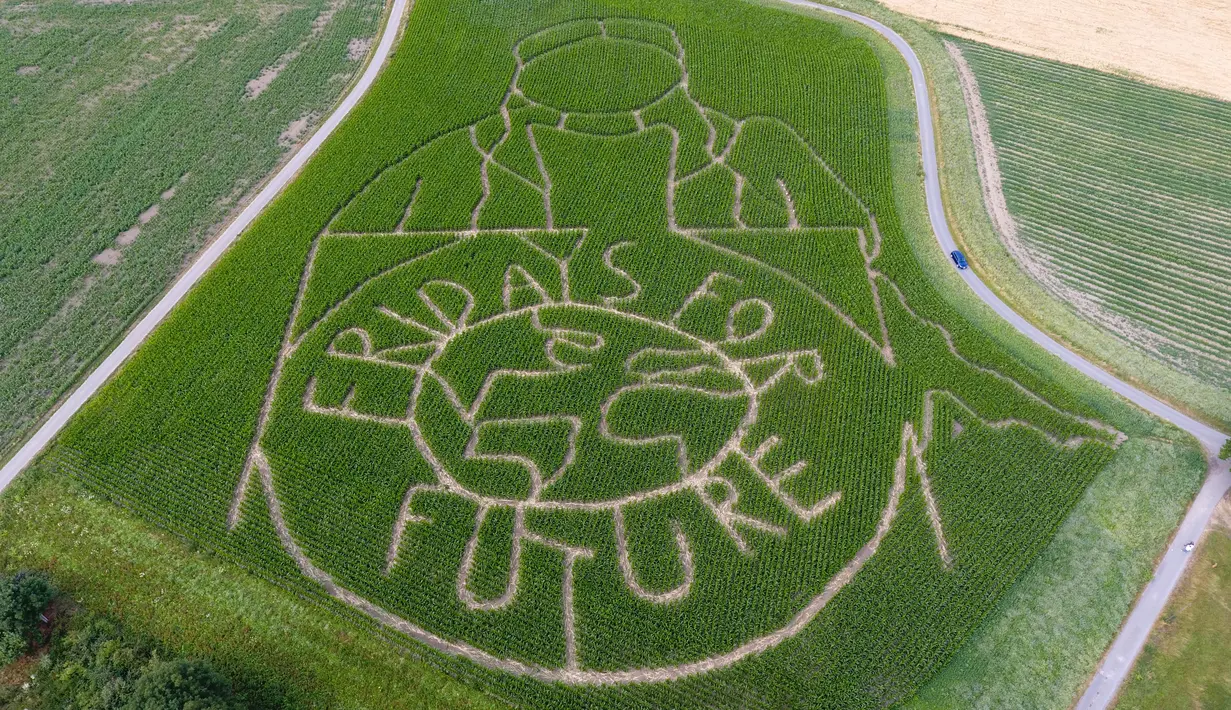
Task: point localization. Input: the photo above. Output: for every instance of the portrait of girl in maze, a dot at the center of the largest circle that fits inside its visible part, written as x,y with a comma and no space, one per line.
588,418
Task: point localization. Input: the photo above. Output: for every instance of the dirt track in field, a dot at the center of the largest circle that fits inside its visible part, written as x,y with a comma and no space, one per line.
1181,44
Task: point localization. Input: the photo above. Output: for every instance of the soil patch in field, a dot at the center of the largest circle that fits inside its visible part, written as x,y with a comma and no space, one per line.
18,672
358,48
108,257
128,236
257,86
296,130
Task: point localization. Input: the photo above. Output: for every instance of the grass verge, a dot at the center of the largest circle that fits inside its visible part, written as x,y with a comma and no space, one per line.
284,649
1184,663
1041,644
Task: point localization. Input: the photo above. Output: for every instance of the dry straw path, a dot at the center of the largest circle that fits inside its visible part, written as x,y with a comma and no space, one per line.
1133,635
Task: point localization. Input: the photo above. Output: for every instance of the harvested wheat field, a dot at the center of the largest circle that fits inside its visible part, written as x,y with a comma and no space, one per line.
1182,44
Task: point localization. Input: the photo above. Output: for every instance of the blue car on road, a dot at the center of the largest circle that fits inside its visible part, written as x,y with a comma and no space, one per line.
959,259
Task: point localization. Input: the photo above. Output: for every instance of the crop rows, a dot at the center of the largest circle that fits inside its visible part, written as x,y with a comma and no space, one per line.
147,142
1121,193
500,378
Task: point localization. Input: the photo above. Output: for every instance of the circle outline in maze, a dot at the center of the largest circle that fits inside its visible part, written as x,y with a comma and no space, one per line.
651,50
804,364
700,480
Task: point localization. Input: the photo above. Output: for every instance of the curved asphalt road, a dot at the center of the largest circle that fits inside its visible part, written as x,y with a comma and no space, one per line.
1128,644
1132,637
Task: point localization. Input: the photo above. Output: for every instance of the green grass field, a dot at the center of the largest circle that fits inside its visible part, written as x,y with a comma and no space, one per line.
1120,200
1184,663
485,427
128,133
1045,638
278,648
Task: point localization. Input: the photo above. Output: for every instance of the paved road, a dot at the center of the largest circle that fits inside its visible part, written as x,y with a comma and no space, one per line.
1128,644
146,325
1131,639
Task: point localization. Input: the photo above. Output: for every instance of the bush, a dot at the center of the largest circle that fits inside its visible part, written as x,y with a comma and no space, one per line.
1226,450
191,685
92,662
97,664
23,597
12,645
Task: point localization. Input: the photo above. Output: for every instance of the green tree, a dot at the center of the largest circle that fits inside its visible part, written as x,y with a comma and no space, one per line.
23,597
98,665
182,684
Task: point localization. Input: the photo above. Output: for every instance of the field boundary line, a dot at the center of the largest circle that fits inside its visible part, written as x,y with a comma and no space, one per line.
60,417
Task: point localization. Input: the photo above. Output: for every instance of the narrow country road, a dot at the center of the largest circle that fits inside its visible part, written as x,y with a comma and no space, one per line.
133,340
1124,651
1132,637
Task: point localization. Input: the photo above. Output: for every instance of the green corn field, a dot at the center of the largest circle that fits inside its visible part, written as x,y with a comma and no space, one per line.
589,361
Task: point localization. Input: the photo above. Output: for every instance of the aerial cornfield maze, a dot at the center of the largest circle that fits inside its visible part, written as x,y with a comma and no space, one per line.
594,367
1121,198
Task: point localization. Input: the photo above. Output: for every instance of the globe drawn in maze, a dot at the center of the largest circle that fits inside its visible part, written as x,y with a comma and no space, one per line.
530,369
608,386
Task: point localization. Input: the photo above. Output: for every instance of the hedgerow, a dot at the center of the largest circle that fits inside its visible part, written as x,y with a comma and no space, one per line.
588,429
